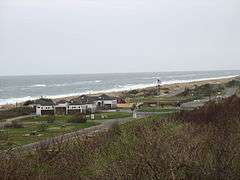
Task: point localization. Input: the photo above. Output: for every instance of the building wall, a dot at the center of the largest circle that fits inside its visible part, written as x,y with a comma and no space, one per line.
61,110
70,109
47,112
42,110
38,110
110,103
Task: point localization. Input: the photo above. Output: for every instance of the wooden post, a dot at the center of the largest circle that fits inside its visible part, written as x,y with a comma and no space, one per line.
158,92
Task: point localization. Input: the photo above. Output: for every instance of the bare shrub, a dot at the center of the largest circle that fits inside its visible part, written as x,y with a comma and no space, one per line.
14,124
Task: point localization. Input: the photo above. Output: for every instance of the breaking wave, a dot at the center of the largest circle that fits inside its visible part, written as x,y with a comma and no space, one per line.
116,88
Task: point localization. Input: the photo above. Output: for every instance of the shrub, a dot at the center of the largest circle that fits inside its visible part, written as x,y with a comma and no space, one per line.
43,127
14,124
78,118
3,135
51,119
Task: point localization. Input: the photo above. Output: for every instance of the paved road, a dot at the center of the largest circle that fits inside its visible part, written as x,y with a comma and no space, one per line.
198,103
175,93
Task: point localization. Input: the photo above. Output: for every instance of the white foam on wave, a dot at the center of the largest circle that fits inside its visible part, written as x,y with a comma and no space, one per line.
197,80
117,89
75,83
39,85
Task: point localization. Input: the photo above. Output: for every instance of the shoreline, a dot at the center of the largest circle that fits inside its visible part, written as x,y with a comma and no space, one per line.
171,85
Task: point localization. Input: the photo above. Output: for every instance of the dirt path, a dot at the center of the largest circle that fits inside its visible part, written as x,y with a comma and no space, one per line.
9,121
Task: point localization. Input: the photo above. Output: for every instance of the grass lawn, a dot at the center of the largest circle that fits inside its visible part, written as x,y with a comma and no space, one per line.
33,132
62,118
112,115
58,118
36,128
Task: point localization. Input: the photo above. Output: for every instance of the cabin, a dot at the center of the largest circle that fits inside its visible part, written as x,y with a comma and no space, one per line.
44,106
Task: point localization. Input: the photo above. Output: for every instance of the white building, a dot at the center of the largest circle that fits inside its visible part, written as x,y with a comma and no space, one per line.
106,102
82,104
44,106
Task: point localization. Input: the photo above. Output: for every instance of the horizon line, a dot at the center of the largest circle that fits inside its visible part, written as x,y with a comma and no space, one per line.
66,74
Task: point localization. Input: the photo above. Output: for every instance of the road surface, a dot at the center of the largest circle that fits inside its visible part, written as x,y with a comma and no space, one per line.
198,103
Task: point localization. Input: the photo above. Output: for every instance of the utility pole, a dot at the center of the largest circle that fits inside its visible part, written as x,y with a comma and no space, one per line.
158,92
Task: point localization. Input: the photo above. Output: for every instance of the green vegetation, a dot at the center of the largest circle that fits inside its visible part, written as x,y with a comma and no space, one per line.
112,115
67,118
33,132
201,144
36,128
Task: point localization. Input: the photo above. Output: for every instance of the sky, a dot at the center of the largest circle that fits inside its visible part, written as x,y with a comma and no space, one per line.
108,36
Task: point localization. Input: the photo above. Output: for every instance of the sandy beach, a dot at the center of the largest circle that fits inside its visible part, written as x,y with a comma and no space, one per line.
171,88
167,89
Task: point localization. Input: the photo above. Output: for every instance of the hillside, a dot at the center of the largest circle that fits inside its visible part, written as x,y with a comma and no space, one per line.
201,144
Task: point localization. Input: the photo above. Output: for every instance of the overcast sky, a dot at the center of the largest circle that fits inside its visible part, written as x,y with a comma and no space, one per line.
105,36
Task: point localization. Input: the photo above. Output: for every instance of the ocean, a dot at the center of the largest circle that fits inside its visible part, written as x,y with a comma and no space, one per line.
21,88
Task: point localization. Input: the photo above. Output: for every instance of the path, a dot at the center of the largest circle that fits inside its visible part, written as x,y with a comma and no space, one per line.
10,120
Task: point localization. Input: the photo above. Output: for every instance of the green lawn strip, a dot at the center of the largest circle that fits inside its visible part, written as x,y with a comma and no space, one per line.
62,118
112,115
66,118
21,136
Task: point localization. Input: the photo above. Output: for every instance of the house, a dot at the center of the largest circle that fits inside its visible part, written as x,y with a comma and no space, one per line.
44,106
106,102
81,104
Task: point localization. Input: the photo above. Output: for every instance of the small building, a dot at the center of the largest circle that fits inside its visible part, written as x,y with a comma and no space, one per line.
44,106
82,104
106,102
